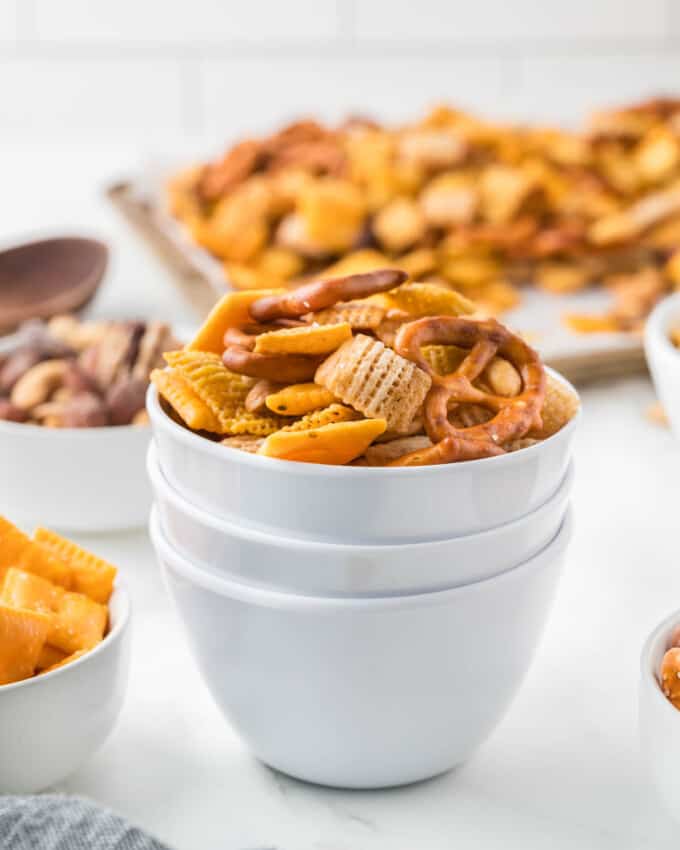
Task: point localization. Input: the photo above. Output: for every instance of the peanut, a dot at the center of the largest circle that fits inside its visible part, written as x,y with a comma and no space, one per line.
503,378
37,384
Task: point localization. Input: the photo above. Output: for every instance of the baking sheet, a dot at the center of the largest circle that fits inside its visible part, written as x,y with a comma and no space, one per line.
580,357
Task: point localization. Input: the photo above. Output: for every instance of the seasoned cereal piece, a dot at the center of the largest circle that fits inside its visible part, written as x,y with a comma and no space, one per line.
223,391
375,381
444,359
380,454
191,409
308,339
337,443
561,404
359,315
299,399
244,442
327,416
429,299
22,636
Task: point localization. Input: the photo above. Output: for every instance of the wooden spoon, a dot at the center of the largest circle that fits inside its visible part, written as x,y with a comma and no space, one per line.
42,279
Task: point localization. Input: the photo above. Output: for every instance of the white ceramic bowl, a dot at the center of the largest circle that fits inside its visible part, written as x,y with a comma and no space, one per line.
309,567
357,504
663,358
75,479
364,693
659,719
51,724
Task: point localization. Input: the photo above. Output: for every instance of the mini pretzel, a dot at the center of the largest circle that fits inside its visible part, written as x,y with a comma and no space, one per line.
321,294
513,416
280,368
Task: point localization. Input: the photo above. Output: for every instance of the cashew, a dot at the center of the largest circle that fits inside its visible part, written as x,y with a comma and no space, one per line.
37,384
77,335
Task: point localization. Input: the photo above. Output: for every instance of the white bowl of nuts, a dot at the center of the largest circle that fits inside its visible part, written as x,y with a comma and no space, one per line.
73,430
660,710
662,346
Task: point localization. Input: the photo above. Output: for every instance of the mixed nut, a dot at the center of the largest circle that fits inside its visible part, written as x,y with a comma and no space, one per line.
65,373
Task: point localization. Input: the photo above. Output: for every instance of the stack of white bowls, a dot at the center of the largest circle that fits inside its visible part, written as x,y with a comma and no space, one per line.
360,627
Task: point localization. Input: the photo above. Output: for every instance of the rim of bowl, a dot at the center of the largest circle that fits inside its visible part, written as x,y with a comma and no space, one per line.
656,326
647,671
159,418
122,598
158,480
269,598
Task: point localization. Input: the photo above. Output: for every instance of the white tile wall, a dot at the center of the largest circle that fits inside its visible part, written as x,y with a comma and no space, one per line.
165,21
260,93
44,97
8,21
496,21
222,68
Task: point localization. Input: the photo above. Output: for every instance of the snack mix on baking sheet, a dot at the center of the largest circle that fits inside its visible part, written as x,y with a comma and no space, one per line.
70,374
53,602
456,201
369,369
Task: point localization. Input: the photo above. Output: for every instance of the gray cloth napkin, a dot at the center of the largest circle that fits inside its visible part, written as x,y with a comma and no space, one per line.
58,822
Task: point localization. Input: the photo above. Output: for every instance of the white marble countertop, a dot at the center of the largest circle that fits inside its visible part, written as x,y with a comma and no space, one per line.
561,771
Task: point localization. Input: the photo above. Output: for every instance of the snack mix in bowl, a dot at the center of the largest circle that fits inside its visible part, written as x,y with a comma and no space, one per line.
368,369
453,199
53,602
71,374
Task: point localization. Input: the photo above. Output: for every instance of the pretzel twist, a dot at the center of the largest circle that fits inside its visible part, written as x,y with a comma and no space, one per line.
239,356
514,416
321,294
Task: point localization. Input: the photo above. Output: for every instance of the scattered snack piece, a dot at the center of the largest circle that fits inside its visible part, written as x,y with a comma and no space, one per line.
44,625
675,336
656,414
337,443
71,374
375,380
670,675
299,399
